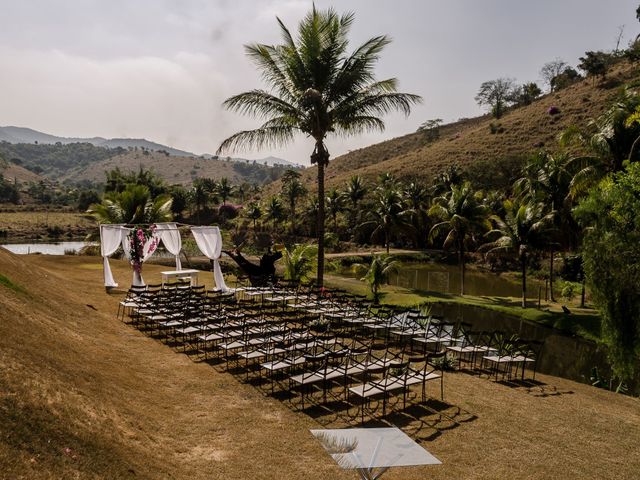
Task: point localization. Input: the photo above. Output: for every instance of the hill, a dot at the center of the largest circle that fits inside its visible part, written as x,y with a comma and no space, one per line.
175,170
83,395
482,141
22,135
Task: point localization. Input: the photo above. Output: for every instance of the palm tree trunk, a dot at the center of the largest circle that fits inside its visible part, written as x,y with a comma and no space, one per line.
293,218
462,267
320,228
523,261
386,239
551,276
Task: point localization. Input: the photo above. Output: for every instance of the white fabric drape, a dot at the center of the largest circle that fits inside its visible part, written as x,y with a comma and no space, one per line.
209,242
147,250
110,238
170,237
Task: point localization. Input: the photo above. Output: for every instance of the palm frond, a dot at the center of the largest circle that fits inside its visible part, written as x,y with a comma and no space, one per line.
269,136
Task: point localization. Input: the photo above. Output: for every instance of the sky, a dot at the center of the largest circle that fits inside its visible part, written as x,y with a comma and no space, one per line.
160,69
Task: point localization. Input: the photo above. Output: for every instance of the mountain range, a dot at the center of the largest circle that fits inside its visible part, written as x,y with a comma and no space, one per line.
12,134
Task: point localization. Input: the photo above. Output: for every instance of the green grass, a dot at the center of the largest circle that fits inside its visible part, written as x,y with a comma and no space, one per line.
6,282
582,322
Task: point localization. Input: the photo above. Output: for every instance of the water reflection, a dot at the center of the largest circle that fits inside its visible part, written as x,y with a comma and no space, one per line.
435,277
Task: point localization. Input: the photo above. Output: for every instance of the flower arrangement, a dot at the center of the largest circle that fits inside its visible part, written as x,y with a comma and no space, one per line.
139,244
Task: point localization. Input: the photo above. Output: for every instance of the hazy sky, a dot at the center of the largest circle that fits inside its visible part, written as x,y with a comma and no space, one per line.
160,69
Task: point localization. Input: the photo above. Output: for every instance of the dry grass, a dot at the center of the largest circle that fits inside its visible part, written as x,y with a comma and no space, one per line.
41,224
11,171
126,406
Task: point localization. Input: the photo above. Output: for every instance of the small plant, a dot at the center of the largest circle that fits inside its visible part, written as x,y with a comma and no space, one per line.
377,273
300,263
599,381
445,363
553,110
496,128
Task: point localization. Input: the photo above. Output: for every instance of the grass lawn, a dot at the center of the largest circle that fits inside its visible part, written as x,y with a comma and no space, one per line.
83,395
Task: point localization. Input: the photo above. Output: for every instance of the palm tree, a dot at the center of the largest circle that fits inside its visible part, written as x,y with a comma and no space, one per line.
317,88
300,263
386,213
461,215
253,212
523,229
224,189
274,211
355,192
134,205
292,190
547,180
610,141
418,199
335,205
378,273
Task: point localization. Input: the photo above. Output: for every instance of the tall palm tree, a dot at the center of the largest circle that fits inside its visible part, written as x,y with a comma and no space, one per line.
134,205
317,88
274,211
524,228
224,189
335,206
354,193
254,212
386,213
292,190
418,199
547,180
461,216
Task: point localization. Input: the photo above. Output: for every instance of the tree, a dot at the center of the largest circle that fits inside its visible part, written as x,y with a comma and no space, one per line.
568,76
335,206
253,212
547,180
180,197
317,88
200,194
273,211
524,228
497,94
611,256
418,199
292,190
85,199
551,70
431,129
595,63
609,142
223,189
355,192
460,215
134,205
528,93
385,213
378,273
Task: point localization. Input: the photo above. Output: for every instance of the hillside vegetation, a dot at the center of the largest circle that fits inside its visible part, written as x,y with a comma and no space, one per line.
471,143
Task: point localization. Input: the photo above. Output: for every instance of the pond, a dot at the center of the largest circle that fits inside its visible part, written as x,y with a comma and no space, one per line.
437,277
57,248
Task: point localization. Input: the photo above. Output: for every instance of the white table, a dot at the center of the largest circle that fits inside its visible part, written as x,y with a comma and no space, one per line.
367,449
192,275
